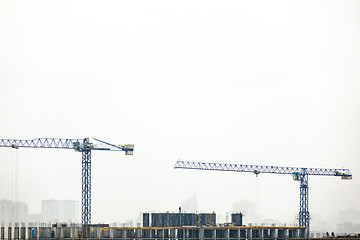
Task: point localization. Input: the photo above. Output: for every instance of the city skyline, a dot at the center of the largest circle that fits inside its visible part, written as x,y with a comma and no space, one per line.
345,221
52,211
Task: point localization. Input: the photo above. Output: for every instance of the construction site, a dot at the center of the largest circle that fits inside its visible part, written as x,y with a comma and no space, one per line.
181,225
179,120
160,226
154,233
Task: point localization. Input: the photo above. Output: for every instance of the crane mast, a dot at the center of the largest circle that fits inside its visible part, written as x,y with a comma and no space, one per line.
80,145
299,174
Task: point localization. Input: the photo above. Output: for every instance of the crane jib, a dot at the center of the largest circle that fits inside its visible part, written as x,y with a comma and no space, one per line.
257,169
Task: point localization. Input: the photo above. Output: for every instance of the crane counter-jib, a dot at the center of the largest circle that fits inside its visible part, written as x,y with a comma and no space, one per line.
64,143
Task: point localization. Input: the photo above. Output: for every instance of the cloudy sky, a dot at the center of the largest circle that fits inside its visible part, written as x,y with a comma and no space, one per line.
252,82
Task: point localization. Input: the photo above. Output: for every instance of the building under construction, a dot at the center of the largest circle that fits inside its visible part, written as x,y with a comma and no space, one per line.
159,226
153,233
178,219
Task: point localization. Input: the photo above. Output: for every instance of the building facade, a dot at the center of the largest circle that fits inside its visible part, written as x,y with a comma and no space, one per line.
60,211
13,212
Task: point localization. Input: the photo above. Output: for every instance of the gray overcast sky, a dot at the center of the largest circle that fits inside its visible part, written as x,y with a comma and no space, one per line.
252,82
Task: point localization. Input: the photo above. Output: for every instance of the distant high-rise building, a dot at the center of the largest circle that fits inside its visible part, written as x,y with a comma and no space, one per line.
350,215
60,211
248,209
189,205
13,212
35,218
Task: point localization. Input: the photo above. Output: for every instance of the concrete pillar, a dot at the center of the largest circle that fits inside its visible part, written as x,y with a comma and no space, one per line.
57,231
180,233
172,233
22,233
103,233
16,233
227,233
92,232
78,232
183,233
234,233
65,232
212,233
124,233
84,232
111,233
161,233
265,233
261,234
115,233
41,233
293,233
44,232
131,233
155,234
193,233
255,233
97,232
249,233
152,233
201,233
272,232
9,233
281,234
73,232
242,233
302,233
135,233
166,234
138,233
145,233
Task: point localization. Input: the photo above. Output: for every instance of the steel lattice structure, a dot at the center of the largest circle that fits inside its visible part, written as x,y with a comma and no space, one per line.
80,145
299,174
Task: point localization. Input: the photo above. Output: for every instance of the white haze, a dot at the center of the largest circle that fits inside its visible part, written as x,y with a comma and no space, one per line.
252,82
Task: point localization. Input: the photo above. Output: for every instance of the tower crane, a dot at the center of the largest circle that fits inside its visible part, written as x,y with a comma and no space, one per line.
80,145
298,173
